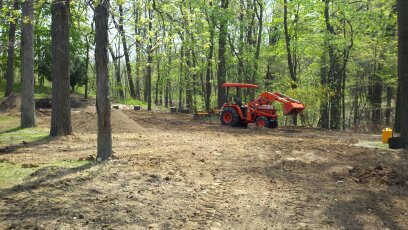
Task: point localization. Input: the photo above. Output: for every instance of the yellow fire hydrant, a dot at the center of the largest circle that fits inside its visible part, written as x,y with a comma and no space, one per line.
386,134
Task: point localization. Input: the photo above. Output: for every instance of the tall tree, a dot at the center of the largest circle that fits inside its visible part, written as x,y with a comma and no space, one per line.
27,65
61,108
10,51
211,23
121,29
116,64
102,81
291,62
334,73
149,59
402,95
222,41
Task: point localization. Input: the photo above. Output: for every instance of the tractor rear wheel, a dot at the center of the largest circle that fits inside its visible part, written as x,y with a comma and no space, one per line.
272,124
229,116
261,122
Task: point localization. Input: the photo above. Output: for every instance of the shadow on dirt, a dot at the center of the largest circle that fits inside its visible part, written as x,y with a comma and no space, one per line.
345,201
66,197
43,176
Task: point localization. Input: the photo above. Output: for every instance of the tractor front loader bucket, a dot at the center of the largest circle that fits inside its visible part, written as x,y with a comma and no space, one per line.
292,108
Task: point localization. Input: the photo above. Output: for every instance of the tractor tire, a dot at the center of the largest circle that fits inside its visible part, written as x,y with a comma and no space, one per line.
261,122
229,116
272,124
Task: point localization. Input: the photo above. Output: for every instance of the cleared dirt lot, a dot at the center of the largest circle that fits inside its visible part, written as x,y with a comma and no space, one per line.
173,172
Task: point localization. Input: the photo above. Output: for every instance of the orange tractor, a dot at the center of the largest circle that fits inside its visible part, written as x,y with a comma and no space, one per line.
260,111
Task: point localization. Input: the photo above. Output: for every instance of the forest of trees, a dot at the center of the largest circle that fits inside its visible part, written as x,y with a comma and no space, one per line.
339,57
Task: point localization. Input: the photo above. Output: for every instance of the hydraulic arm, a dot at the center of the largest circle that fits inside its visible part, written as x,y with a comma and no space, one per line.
290,105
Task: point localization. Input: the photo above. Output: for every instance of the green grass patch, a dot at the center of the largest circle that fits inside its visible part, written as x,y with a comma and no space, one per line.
14,174
12,134
17,135
131,101
373,144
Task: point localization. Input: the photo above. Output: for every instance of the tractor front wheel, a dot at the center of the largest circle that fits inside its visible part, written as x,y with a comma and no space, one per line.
229,116
261,122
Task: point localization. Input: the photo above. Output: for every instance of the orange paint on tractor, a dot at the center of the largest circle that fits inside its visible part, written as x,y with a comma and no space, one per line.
259,111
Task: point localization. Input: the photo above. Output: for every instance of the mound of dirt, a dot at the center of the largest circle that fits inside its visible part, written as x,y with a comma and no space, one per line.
11,103
380,173
85,121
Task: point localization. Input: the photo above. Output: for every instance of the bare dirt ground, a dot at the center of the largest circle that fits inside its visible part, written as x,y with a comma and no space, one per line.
173,172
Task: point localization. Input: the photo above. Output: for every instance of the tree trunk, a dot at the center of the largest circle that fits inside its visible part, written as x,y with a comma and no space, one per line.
401,124
61,108
116,61
181,82
156,99
103,109
291,65
87,67
27,66
149,62
324,108
221,74
137,49
10,54
126,52
258,45
287,39
334,74
388,110
211,23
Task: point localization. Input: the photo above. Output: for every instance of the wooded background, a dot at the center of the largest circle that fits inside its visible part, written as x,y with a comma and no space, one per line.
339,57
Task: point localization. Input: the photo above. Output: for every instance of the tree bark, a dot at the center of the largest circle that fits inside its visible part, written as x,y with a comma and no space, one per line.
87,67
137,49
149,62
181,82
334,74
258,45
291,64
10,54
209,64
116,61
401,124
221,74
388,109
27,66
126,52
156,99
287,40
103,109
61,108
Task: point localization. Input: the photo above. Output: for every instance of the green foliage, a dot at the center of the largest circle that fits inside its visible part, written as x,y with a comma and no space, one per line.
183,33
40,91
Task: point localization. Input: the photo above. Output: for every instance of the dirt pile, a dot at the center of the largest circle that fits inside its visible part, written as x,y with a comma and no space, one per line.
380,173
11,104
85,121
